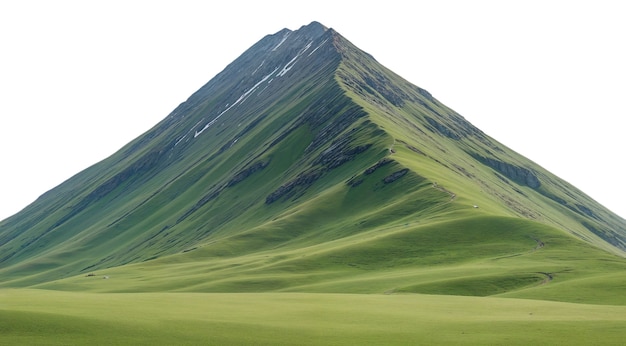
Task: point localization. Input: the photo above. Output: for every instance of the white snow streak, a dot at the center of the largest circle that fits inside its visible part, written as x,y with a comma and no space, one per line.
318,47
241,99
282,41
291,62
262,62
246,94
185,135
180,139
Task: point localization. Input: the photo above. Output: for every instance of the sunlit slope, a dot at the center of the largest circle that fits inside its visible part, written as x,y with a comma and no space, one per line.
307,166
441,145
62,318
474,254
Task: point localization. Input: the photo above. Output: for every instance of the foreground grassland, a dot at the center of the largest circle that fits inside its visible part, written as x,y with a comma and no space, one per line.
30,316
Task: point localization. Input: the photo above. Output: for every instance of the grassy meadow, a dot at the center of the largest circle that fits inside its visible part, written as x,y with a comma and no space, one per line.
62,318
385,287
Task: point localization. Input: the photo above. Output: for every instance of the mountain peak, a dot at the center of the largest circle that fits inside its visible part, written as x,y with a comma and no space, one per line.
310,31
315,28
301,141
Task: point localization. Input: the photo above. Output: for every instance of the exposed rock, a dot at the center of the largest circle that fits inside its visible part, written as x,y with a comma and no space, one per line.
442,129
213,193
425,93
335,127
520,175
383,162
305,179
248,171
394,95
395,176
585,210
354,182
339,153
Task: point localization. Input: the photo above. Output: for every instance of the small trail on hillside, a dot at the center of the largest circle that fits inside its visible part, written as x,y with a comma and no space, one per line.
548,278
539,245
443,189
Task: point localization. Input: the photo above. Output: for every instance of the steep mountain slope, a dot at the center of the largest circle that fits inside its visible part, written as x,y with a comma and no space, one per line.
307,165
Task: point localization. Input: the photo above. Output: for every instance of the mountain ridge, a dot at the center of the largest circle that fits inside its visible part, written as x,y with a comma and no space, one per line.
301,141
456,128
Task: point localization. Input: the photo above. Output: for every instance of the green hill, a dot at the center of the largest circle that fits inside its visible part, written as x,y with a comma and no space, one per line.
306,166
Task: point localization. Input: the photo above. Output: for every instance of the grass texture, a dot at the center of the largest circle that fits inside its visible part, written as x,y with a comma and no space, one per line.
61,318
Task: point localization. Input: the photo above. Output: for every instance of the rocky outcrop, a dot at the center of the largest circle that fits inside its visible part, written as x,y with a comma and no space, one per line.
395,176
212,194
385,88
383,162
340,152
336,155
442,129
246,172
520,175
303,180
583,209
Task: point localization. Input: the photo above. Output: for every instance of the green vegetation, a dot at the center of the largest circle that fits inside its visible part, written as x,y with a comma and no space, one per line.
333,203
60,318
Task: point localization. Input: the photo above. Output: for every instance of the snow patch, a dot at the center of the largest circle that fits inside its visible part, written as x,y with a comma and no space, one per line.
185,135
262,62
292,62
241,99
282,41
179,140
318,47
249,92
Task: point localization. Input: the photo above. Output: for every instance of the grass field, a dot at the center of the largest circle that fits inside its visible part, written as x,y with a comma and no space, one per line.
45,317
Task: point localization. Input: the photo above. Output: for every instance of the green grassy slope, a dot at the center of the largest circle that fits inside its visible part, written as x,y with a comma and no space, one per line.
439,144
475,255
306,166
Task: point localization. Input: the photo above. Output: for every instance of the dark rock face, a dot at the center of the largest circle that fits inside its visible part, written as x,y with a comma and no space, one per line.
395,176
425,93
378,164
520,175
248,171
585,210
358,180
303,180
348,115
336,155
340,152
213,193
354,182
384,88
442,128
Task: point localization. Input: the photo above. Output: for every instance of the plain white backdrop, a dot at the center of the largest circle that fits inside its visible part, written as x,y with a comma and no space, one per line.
79,79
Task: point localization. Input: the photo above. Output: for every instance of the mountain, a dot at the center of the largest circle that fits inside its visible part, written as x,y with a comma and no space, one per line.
306,165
